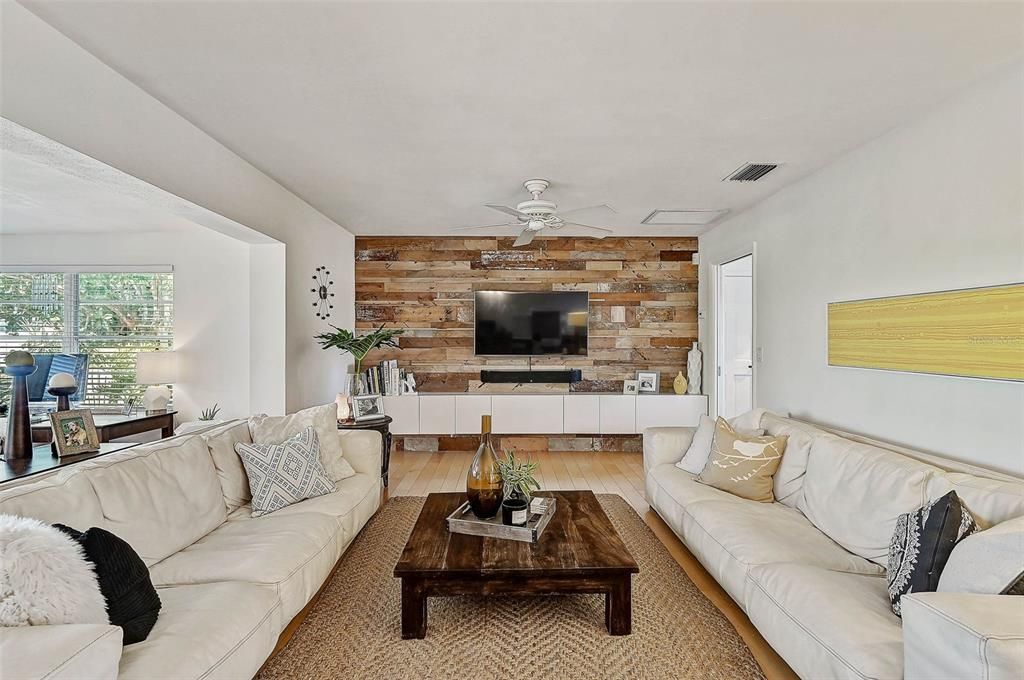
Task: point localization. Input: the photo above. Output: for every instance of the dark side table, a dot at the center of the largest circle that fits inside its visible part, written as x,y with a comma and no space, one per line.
382,425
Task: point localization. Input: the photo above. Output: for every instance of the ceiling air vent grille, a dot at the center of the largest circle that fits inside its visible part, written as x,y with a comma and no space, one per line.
751,172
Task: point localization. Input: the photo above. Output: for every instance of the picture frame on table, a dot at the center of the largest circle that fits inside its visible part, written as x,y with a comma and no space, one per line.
630,386
367,407
74,432
649,382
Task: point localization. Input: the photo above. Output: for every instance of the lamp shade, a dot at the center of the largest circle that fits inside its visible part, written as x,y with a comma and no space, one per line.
156,368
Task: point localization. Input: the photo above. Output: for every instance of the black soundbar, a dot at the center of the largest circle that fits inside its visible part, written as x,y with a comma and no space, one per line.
555,376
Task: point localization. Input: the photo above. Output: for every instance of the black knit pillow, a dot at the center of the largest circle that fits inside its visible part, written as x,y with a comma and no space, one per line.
922,544
132,602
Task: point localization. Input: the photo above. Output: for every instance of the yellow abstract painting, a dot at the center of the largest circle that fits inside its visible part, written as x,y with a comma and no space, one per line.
977,333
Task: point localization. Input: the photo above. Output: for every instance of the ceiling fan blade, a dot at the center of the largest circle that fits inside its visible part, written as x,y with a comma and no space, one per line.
525,238
587,226
603,206
487,226
507,210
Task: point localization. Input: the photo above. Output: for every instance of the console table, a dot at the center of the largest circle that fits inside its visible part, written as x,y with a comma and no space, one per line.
382,425
111,426
44,460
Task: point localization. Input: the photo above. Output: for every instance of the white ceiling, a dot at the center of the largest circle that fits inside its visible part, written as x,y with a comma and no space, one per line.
404,118
48,188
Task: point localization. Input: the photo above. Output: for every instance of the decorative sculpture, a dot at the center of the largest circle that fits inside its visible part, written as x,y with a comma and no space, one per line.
693,368
62,386
19,365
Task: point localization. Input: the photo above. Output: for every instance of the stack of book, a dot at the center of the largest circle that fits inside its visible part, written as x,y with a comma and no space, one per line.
385,379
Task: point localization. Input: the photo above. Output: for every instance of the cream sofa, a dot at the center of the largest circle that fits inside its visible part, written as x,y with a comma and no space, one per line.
809,569
228,583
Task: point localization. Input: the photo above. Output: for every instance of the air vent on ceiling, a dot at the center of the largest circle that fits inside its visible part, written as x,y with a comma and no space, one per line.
751,172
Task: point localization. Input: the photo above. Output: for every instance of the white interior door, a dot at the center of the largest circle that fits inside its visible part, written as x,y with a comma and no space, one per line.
735,370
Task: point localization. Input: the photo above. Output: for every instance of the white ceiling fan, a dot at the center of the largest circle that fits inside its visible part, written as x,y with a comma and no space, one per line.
536,214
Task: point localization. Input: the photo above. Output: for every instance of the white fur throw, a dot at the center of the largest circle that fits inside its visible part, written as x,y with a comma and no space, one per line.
45,577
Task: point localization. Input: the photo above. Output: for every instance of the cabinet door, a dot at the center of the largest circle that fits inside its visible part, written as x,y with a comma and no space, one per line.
527,413
437,414
618,414
581,414
468,409
405,413
669,410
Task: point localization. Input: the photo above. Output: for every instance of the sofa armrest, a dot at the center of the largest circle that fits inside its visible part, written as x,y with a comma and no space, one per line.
665,445
63,652
362,449
962,635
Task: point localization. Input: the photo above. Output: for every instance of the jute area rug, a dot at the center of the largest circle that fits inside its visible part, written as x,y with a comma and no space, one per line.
354,630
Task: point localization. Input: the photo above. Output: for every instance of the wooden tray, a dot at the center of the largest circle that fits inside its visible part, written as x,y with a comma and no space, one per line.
463,521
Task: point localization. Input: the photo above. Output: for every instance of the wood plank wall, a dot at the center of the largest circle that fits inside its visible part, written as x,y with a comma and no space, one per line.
643,303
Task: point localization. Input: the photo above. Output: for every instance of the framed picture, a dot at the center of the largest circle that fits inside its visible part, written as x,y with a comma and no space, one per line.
630,386
367,407
74,432
648,382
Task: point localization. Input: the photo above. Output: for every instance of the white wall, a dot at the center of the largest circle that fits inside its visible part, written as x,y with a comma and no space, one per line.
211,303
935,205
57,89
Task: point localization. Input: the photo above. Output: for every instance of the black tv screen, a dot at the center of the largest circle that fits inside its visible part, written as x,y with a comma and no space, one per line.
531,324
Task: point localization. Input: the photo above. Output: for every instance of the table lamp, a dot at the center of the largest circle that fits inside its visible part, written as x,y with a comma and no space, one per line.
158,370
62,386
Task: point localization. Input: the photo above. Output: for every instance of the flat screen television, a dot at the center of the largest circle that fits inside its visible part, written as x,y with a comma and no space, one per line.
531,324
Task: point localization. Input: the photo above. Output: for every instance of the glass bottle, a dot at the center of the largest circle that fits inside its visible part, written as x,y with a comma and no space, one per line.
484,487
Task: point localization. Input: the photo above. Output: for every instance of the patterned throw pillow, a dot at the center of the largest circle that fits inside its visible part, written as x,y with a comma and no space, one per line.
921,546
743,465
286,473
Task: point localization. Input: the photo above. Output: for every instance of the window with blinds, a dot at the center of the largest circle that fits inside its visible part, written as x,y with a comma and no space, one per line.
111,316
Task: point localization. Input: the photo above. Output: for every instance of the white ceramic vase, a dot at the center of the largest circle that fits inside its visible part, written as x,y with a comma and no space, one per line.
693,368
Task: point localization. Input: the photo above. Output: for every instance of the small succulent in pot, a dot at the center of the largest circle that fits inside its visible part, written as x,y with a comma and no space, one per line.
520,484
209,413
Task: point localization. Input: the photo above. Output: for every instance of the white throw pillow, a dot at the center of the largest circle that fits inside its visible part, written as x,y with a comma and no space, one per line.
696,457
45,578
324,419
285,473
986,562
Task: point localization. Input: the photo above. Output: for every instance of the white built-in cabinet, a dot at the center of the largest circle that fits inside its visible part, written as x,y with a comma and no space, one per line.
468,409
437,413
542,413
527,413
618,413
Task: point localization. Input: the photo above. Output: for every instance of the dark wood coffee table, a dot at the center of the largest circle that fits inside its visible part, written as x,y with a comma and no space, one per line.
579,552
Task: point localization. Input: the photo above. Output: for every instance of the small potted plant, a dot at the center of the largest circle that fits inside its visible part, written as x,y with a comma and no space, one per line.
360,346
517,476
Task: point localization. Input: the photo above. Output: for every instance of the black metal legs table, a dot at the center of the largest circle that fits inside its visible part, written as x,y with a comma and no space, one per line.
382,425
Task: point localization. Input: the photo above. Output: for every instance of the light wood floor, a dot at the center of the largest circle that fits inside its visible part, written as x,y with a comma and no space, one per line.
417,474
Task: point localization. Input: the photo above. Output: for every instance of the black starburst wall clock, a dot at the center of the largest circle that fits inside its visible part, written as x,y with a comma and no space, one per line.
322,303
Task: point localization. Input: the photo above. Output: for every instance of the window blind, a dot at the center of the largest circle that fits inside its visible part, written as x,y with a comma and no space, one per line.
109,315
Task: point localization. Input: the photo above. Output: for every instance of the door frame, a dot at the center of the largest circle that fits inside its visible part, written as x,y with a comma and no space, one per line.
717,320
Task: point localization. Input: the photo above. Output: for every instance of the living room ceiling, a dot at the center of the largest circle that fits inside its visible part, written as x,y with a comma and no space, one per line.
405,118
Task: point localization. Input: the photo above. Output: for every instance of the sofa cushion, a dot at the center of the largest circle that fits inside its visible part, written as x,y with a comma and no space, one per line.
324,419
789,478
336,504
746,534
991,501
284,473
230,471
854,492
988,562
160,498
209,631
922,544
65,497
743,465
293,554
819,619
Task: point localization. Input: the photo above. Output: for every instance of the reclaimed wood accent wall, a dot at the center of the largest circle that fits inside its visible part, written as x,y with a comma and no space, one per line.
643,303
